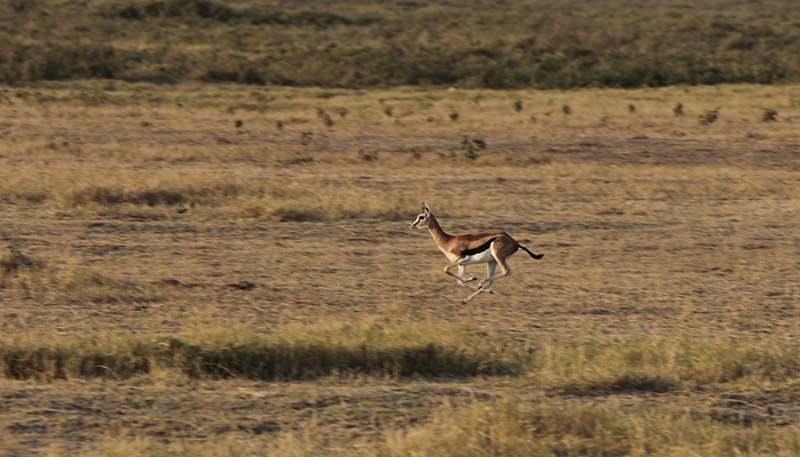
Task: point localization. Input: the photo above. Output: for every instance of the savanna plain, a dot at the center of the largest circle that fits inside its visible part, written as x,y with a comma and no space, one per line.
212,269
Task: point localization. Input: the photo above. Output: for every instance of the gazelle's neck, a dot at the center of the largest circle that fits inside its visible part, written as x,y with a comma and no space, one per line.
438,234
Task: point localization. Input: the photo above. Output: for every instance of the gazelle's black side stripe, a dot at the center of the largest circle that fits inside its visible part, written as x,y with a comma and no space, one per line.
477,250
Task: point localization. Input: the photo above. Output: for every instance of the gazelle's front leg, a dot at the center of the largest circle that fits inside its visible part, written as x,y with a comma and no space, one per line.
460,276
462,270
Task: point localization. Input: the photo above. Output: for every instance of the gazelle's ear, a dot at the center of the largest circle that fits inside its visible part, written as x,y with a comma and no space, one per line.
425,208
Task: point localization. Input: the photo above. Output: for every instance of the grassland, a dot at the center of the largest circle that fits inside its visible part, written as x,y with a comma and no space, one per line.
498,44
226,270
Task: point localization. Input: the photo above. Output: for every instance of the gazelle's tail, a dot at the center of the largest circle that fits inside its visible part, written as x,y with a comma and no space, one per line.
535,256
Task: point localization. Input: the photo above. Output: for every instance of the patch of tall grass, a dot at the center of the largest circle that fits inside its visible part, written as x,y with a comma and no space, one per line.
661,365
376,350
511,427
408,350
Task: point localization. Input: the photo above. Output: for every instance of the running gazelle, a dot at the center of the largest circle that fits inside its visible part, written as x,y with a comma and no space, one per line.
491,248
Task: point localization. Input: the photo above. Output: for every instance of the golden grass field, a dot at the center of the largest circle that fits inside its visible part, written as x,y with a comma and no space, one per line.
143,220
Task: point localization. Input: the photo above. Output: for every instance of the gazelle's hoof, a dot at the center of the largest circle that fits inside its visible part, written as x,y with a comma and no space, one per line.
464,301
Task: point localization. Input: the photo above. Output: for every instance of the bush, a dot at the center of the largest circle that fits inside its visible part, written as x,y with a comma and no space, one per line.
185,9
108,196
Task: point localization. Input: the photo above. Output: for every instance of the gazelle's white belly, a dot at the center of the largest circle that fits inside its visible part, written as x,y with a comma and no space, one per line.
481,257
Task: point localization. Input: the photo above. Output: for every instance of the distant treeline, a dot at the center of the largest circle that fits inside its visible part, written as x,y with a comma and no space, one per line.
495,44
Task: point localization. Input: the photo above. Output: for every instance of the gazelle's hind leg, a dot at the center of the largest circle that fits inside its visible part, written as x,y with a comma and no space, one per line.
490,269
486,283
502,259
475,294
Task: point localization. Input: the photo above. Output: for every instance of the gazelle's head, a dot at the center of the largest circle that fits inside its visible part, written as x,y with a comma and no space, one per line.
421,222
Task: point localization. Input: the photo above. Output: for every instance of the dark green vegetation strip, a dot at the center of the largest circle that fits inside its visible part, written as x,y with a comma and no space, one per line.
582,369
265,359
472,43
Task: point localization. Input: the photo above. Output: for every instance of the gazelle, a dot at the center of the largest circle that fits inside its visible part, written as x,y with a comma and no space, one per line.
491,248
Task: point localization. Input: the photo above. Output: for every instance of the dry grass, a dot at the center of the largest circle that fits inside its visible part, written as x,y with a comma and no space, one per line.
667,291
508,428
462,425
